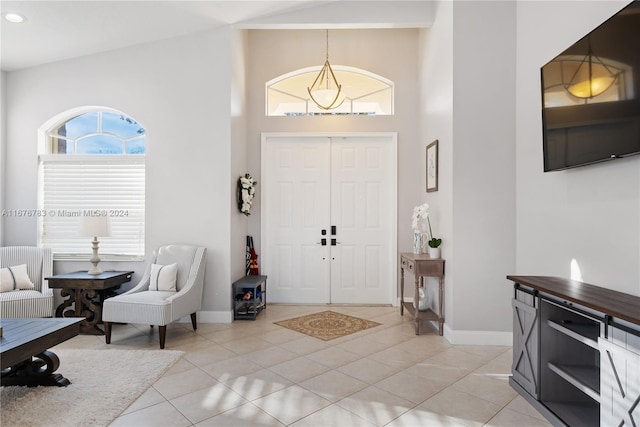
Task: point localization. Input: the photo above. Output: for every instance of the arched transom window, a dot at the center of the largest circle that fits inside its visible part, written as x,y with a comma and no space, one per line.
92,162
365,93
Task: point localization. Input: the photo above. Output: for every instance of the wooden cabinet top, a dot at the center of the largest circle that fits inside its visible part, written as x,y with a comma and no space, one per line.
419,257
613,303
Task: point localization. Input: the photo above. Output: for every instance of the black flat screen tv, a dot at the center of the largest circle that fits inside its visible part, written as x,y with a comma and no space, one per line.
591,95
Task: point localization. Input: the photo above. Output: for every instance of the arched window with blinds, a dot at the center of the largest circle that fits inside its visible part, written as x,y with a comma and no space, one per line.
92,162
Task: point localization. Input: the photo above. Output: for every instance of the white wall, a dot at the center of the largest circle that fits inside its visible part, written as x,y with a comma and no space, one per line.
178,90
592,213
436,122
483,167
238,226
3,118
467,70
386,52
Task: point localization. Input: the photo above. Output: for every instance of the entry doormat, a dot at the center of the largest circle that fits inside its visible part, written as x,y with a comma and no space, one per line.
327,325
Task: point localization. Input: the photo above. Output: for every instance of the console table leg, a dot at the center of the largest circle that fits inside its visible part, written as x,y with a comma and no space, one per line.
441,299
401,291
416,303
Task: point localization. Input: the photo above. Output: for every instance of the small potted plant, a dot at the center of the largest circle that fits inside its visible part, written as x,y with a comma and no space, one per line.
434,243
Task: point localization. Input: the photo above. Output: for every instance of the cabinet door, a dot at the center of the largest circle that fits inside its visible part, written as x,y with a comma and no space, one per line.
619,385
525,368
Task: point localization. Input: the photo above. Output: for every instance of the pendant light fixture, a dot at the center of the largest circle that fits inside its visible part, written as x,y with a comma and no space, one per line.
325,91
591,78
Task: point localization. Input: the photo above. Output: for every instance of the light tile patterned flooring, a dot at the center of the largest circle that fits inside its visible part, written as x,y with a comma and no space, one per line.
255,373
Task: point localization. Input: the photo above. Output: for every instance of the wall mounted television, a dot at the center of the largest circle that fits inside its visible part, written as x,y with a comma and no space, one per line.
591,95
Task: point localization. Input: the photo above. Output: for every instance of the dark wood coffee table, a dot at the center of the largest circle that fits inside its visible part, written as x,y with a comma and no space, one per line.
24,355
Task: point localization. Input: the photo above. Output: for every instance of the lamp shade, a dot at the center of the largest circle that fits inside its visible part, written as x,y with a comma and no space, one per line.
95,226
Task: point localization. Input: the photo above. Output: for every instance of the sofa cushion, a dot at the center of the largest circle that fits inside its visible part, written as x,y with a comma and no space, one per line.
163,277
15,278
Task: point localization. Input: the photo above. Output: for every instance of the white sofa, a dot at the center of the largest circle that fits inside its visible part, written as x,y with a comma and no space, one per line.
37,302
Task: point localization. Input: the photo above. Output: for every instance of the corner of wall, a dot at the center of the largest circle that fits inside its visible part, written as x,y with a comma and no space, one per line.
478,337
3,138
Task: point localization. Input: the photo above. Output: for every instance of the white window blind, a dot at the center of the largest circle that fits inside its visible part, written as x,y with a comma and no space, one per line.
73,186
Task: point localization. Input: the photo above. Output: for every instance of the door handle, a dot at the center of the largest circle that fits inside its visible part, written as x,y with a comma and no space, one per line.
333,230
322,242
334,242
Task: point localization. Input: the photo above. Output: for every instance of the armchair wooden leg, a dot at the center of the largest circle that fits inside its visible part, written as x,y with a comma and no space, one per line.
193,321
107,332
163,335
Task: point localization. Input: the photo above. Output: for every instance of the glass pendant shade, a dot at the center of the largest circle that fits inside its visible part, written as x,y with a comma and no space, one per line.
591,78
325,91
590,88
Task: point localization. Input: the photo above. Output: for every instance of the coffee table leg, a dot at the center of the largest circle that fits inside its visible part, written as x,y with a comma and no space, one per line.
36,371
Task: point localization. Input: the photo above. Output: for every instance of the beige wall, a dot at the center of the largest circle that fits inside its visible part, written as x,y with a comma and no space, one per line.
389,53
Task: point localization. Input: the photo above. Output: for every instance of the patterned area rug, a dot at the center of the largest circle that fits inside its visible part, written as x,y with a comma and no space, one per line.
327,325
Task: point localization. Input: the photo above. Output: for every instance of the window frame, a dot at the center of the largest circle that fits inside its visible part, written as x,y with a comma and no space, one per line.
310,110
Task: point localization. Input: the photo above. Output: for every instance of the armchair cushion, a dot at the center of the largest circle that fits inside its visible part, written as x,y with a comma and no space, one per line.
15,278
163,277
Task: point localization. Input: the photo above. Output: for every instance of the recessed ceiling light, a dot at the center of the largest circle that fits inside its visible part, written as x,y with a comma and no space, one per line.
14,17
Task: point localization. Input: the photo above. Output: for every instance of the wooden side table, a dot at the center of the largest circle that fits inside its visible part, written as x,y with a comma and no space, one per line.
422,265
86,292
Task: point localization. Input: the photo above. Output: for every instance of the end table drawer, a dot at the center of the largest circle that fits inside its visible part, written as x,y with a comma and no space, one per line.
434,268
408,265
431,267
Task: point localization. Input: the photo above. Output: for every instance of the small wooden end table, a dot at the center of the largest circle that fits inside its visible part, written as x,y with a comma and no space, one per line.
86,292
422,265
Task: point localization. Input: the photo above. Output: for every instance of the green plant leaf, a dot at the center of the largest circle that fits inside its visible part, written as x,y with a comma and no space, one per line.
434,243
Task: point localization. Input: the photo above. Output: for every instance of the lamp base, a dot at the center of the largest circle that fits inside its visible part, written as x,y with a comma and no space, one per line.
95,270
95,259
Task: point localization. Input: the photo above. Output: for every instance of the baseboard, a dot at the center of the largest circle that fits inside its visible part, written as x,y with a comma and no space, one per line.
210,317
471,337
478,337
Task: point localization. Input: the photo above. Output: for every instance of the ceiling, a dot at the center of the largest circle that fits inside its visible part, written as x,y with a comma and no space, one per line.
58,30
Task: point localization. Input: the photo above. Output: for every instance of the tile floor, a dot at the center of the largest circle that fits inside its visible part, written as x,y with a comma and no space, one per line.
255,373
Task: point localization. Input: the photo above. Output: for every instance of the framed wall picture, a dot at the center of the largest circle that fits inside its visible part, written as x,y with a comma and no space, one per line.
432,166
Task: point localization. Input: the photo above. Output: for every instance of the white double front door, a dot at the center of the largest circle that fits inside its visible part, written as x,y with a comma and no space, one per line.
328,218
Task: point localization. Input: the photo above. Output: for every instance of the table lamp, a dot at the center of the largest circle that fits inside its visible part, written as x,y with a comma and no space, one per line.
95,226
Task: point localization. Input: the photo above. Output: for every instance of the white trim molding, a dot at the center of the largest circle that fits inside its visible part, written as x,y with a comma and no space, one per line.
206,316
478,337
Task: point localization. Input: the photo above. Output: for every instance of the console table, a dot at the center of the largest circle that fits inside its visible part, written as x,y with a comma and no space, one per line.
86,292
422,265
576,351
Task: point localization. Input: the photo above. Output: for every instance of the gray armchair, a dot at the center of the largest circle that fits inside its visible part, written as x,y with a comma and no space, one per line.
161,307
